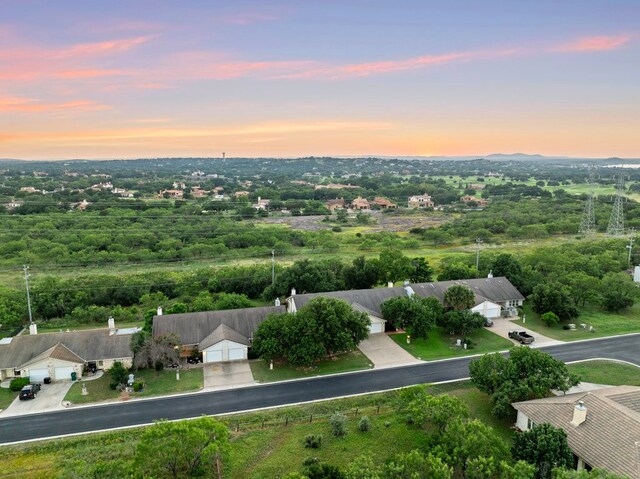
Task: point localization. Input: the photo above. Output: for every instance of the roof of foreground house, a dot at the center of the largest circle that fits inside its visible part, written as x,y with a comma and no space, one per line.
193,328
91,345
221,333
609,436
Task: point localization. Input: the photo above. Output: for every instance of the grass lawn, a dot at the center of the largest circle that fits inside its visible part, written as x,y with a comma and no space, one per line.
6,397
440,345
607,372
261,453
341,363
155,385
605,324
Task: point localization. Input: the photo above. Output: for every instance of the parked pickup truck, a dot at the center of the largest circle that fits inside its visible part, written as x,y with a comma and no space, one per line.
522,336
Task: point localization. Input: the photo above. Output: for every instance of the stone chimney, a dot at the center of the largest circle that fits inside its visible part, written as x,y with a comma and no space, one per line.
406,283
112,325
277,302
490,275
293,291
579,414
390,284
159,312
33,328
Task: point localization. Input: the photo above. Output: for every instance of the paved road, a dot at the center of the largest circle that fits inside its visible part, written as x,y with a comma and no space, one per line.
79,420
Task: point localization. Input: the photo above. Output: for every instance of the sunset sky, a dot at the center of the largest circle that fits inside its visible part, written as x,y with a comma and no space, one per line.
143,78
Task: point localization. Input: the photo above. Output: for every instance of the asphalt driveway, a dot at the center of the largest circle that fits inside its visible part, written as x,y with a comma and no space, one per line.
383,352
48,399
221,375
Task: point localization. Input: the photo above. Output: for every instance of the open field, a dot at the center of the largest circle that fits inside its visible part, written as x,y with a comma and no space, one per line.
607,372
605,324
256,452
352,361
441,346
156,384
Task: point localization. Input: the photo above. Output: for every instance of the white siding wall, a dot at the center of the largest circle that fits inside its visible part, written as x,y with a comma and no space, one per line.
522,422
488,309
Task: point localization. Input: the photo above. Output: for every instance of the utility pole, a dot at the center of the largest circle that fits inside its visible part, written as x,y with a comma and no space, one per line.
25,268
630,246
478,243
273,266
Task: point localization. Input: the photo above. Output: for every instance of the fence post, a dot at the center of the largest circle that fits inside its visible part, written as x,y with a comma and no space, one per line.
310,418
356,414
263,424
378,409
237,426
286,423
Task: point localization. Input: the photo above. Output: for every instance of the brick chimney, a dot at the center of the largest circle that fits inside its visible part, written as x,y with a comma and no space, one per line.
33,328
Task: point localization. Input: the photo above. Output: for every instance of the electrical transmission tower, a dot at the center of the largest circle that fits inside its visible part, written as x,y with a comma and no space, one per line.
616,220
588,223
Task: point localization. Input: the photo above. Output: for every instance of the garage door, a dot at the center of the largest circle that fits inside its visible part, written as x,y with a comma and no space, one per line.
213,357
376,328
38,375
63,373
236,354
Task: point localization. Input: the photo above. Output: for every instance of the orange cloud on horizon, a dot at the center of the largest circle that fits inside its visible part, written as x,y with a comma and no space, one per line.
593,44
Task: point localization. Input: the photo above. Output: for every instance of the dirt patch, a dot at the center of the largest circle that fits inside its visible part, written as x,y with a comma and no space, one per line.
381,222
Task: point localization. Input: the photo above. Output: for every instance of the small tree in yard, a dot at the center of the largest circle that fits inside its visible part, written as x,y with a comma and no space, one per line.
364,424
618,292
418,316
462,322
119,375
545,447
154,351
550,319
458,298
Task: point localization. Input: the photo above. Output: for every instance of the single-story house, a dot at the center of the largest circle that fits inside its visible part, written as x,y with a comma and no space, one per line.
602,426
420,201
220,336
57,355
366,300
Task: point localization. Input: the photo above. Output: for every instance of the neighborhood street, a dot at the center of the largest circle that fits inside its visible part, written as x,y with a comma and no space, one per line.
86,419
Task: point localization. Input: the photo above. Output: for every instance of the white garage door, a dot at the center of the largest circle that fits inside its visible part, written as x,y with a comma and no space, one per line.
236,354
63,373
38,375
213,357
376,328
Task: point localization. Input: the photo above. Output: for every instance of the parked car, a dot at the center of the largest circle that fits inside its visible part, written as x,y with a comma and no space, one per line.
488,323
29,391
522,336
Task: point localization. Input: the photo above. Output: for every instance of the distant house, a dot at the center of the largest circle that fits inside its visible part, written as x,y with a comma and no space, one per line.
337,204
477,186
57,355
173,194
13,204
420,201
383,203
360,204
179,185
217,189
102,186
122,192
238,194
602,426
219,335
479,201
198,192
262,204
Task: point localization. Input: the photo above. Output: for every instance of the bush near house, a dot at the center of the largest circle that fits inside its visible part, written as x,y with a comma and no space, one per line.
17,384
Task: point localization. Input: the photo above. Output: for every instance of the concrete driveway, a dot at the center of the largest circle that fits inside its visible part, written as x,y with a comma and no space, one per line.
502,326
223,375
48,399
382,351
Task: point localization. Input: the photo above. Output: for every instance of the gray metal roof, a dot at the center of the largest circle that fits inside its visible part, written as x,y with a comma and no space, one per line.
221,333
492,289
497,289
59,351
91,345
192,328
607,438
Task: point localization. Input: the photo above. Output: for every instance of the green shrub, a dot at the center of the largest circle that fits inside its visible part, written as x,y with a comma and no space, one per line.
119,375
313,441
138,386
550,319
336,229
338,422
17,384
364,424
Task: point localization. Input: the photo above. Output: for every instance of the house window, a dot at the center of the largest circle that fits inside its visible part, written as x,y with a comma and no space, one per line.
100,363
530,424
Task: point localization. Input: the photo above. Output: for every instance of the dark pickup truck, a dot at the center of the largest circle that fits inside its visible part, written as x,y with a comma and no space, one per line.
522,336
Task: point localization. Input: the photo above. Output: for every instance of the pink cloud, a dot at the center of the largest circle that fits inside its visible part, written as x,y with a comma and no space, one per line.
29,105
100,48
90,73
593,44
